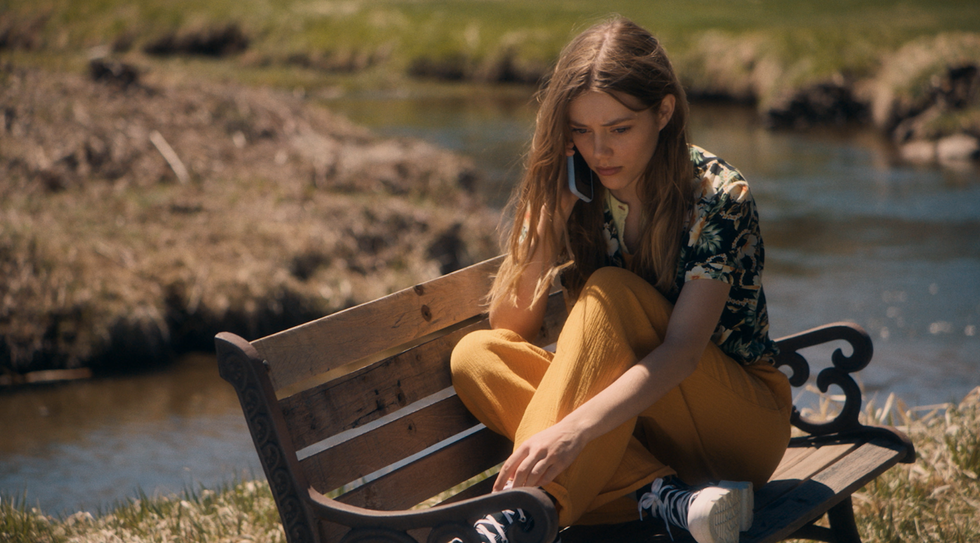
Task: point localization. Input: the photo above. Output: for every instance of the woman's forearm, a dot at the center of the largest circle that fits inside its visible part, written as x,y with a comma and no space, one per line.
692,322
541,457
527,313
642,385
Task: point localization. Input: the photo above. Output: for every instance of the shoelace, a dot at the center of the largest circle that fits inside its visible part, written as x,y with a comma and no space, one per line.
672,507
484,525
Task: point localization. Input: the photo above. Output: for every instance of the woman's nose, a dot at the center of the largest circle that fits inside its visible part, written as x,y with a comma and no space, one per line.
601,146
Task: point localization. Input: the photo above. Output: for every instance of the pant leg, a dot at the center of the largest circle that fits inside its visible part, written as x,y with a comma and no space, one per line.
724,422
517,390
495,374
607,327
618,319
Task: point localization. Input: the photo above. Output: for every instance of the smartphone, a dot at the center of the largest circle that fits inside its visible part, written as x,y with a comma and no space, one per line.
581,180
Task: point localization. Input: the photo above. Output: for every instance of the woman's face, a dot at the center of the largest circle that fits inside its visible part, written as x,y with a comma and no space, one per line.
616,141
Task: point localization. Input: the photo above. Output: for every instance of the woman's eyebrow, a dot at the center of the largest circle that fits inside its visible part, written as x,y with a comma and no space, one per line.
616,121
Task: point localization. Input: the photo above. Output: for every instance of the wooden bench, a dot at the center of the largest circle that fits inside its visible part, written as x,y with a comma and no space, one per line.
362,437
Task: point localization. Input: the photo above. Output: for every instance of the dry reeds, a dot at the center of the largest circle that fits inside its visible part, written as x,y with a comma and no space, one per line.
938,497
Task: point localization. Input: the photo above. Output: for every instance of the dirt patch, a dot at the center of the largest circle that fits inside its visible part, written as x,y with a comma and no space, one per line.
215,41
287,212
831,102
504,67
25,34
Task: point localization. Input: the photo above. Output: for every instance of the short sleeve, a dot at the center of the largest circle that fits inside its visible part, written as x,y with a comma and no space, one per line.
723,227
724,242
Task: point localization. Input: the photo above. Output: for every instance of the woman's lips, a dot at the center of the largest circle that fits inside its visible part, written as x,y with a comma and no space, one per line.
607,172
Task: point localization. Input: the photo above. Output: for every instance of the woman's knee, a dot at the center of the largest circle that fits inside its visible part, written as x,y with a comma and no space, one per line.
611,277
464,361
614,282
622,292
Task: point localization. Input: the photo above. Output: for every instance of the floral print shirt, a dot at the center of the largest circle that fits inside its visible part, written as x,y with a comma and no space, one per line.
723,242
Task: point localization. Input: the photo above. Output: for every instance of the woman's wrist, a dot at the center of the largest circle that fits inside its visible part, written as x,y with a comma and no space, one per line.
580,424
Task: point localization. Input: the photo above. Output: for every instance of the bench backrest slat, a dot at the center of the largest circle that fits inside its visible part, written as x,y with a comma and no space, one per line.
390,443
319,346
328,409
325,420
325,410
453,464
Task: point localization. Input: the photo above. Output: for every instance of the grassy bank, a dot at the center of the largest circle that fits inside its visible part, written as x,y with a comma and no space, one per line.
935,499
761,50
351,35
796,42
115,252
286,212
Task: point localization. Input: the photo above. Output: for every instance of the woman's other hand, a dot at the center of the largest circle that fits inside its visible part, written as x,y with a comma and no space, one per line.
539,459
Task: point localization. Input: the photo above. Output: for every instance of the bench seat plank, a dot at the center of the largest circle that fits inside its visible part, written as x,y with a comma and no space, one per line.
810,499
792,457
815,460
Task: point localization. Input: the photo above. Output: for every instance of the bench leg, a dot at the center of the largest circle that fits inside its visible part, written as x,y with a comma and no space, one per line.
842,523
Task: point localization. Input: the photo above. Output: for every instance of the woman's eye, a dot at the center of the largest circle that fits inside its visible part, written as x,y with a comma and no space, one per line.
621,129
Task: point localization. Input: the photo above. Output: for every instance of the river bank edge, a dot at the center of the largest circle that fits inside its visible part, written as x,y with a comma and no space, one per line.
138,218
60,314
918,82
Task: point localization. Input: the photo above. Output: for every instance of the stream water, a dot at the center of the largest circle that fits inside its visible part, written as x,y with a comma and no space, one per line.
851,234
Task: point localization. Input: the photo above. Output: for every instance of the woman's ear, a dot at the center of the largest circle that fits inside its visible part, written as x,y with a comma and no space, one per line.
666,110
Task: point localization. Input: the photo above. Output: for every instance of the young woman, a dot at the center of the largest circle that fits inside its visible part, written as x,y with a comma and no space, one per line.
661,382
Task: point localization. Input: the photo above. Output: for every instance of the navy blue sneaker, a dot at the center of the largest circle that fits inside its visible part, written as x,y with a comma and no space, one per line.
712,514
493,528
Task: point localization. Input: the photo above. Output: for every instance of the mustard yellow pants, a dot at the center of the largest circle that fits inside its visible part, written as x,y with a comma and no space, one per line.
724,422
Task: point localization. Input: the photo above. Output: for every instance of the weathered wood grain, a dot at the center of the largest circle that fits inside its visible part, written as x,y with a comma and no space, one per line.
791,457
313,348
449,466
388,444
790,477
370,393
391,384
812,498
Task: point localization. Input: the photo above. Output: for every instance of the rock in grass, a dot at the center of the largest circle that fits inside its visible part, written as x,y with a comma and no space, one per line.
958,147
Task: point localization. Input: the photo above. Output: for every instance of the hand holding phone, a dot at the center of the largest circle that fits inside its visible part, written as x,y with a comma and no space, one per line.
581,179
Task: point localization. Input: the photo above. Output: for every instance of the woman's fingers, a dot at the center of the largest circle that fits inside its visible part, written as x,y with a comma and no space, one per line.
516,471
527,468
540,459
506,476
525,474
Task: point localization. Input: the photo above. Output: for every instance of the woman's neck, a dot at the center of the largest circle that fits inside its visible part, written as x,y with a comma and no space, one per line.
633,227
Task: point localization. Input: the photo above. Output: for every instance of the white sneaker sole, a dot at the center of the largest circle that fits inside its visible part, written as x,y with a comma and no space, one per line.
747,496
718,513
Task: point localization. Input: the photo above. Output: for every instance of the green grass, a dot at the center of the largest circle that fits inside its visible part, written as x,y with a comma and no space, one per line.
244,511
433,25
809,39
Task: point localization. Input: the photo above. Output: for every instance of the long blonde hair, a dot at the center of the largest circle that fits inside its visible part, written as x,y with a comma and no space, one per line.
616,56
